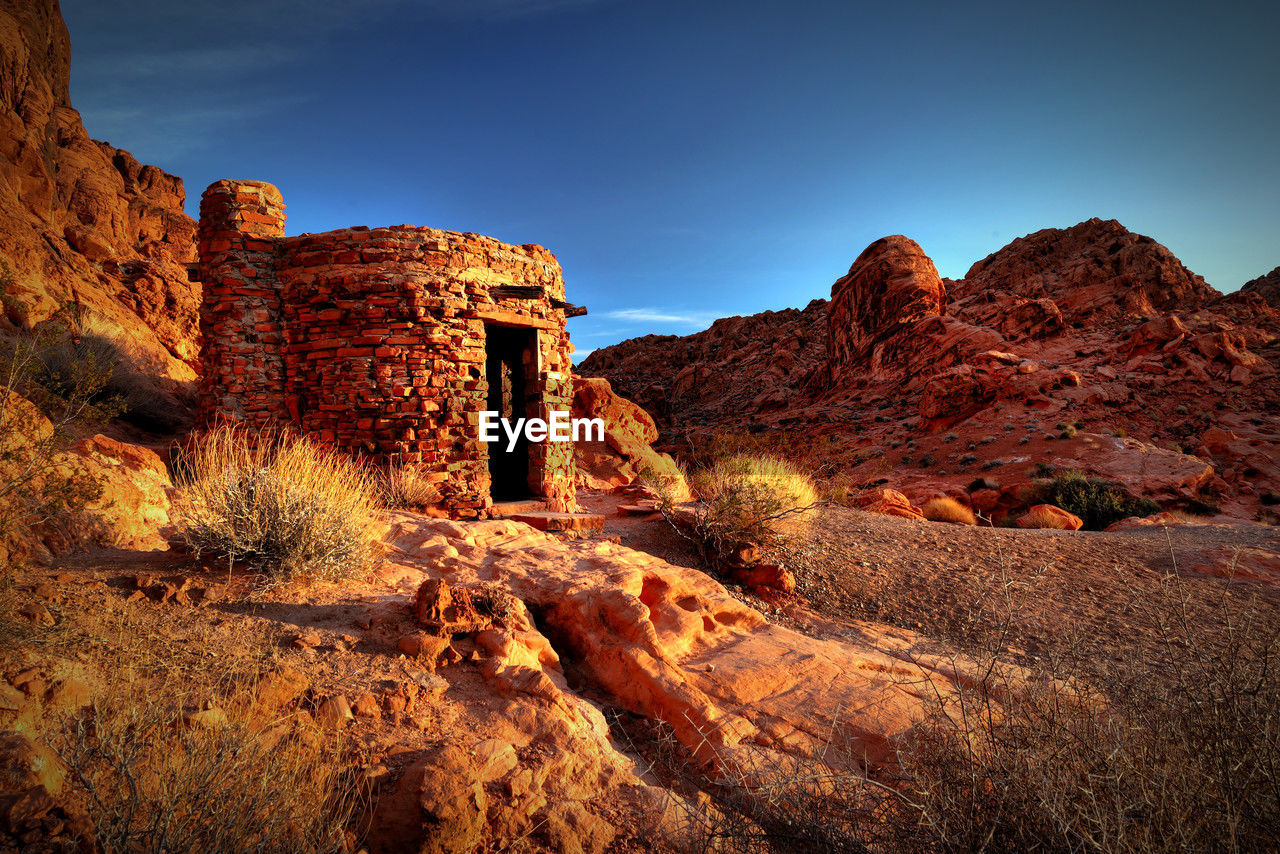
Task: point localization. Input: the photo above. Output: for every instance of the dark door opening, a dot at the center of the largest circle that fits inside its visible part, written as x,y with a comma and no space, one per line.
508,354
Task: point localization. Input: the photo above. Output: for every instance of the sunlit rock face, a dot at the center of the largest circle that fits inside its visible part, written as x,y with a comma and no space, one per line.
85,228
891,285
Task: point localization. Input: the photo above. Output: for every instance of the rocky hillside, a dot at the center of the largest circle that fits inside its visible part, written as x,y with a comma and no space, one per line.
83,225
1089,347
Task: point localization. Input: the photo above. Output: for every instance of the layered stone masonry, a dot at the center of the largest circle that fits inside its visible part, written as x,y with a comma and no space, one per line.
373,340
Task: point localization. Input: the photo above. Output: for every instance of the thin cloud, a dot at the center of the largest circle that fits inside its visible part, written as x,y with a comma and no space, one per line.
650,315
154,138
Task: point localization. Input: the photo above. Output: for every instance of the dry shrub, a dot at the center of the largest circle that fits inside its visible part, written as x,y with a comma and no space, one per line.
278,501
1171,750
744,500
764,491
152,784
1174,752
36,486
407,487
948,510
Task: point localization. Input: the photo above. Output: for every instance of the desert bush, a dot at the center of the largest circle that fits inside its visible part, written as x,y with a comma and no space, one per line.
277,501
35,485
945,509
1098,502
407,487
152,785
743,500
74,358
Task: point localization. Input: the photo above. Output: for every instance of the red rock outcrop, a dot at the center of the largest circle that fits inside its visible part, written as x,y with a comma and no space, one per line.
741,364
626,451
891,284
1095,267
1267,287
83,225
671,644
1088,347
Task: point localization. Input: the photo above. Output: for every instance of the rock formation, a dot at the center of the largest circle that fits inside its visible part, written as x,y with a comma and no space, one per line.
1095,267
891,285
84,227
1267,287
626,451
1088,347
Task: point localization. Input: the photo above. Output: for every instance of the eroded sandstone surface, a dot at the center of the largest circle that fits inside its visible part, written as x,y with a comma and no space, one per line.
84,227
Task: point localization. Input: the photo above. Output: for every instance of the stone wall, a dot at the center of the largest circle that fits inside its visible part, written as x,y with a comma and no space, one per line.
373,340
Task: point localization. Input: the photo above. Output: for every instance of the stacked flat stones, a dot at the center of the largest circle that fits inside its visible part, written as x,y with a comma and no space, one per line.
373,340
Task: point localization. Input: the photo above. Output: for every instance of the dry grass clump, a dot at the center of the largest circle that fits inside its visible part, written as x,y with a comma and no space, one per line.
1170,749
278,501
945,509
743,500
763,489
407,487
152,783
1174,752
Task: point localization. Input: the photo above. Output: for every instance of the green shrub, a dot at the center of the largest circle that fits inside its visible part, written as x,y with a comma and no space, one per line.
1098,502
278,502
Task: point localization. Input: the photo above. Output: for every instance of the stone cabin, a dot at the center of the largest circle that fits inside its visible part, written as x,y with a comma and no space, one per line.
386,343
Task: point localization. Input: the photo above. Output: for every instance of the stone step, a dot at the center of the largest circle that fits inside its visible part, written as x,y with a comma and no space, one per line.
574,523
641,509
507,509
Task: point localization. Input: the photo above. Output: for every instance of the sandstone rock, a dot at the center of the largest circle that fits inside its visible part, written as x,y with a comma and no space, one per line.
1049,516
890,285
955,394
1107,326
447,610
766,576
427,648
890,502
1267,287
279,689
574,830
671,644
366,706
335,712
626,451
1251,564
84,223
1095,267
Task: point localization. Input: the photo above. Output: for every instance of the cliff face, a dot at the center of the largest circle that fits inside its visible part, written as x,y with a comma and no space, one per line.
922,382
83,225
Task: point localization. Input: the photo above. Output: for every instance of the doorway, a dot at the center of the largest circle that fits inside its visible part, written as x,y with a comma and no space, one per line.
509,354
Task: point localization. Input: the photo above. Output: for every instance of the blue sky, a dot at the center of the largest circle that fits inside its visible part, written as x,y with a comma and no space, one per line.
693,160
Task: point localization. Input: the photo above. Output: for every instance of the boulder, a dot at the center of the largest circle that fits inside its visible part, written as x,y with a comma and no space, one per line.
1049,516
889,502
891,285
626,451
